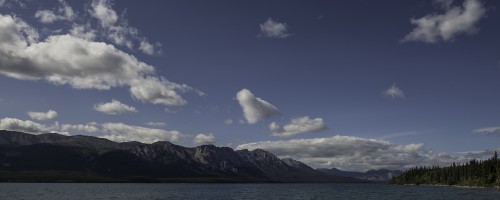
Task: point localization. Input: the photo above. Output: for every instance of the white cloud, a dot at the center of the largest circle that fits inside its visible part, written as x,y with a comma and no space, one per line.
26,126
147,47
158,91
488,131
83,31
63,12
46,16
228,121
201,139
456,20
120,132
254,108
274,29
89,128
114,107
43,115
122,35
82,64
157,124
394,92
354,153
297,126
101,9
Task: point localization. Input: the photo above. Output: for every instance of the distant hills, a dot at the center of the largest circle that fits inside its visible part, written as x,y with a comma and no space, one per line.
57,158
371,175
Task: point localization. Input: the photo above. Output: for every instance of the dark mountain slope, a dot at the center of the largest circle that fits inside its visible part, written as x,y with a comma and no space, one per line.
160,161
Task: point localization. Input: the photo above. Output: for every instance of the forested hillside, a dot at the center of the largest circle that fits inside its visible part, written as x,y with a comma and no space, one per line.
484,173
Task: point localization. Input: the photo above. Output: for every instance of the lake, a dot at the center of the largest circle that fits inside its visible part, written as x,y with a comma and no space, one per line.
125,191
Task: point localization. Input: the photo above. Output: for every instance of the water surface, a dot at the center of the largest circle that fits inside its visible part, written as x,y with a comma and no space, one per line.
237,191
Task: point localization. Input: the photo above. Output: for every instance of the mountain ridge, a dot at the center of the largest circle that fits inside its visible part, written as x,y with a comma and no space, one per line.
370,175
159,161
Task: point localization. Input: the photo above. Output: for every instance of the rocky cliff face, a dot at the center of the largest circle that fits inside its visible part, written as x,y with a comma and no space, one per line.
21,151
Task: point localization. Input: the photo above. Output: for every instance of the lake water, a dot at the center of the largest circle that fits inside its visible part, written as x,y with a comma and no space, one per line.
237,191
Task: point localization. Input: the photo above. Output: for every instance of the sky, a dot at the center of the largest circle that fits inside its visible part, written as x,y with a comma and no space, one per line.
351,84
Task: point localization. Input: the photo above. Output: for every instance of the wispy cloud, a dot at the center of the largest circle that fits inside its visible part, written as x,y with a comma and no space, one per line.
119,31
228,121
156,124
488,130
63,13
394,92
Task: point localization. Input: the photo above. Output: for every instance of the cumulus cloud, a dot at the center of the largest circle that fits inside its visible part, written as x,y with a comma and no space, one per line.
26,126
89,128
454,21
254,108
394,92
43,115
273,29
120,132
114,107
297,126
355,153
63,12
82,64
360,154
157,124
201,139
228,121
488,131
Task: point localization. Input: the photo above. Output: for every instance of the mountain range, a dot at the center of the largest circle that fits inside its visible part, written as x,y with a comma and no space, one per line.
53,157
370,175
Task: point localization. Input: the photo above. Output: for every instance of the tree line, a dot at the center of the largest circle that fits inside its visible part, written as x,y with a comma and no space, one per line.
481,173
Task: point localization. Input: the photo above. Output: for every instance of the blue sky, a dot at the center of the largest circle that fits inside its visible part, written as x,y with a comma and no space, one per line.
350,84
